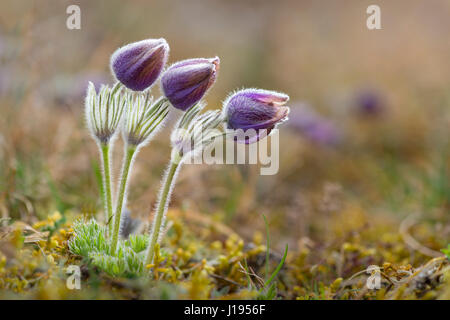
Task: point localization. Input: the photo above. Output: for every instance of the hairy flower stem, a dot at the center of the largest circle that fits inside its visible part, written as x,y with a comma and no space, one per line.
163,203
107,185
130,151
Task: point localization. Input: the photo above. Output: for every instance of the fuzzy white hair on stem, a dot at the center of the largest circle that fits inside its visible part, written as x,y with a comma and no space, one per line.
161,203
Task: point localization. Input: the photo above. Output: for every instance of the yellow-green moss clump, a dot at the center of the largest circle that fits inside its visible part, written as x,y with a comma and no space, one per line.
219,265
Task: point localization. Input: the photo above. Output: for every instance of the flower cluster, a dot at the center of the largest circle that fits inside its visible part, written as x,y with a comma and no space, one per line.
129,107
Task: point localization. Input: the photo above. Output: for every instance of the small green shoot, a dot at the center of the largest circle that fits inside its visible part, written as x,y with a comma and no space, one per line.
446,251
269,287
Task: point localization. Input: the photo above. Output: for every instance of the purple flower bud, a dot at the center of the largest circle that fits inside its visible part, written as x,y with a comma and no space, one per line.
186,82
255,109
138,65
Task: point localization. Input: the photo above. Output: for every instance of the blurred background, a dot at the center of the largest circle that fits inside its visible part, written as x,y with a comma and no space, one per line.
367,142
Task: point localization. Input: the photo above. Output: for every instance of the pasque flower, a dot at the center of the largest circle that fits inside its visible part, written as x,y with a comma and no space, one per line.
144,118
186,82
255,109
104,113
193,132
139,64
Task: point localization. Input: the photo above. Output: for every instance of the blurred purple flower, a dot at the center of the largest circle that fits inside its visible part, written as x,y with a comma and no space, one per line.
4,81
313,126
369,102
67,89
139,64
255,109
186,82
81,81
2,46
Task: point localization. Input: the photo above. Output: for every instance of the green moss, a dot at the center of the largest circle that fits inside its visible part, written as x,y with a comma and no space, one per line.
189,266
